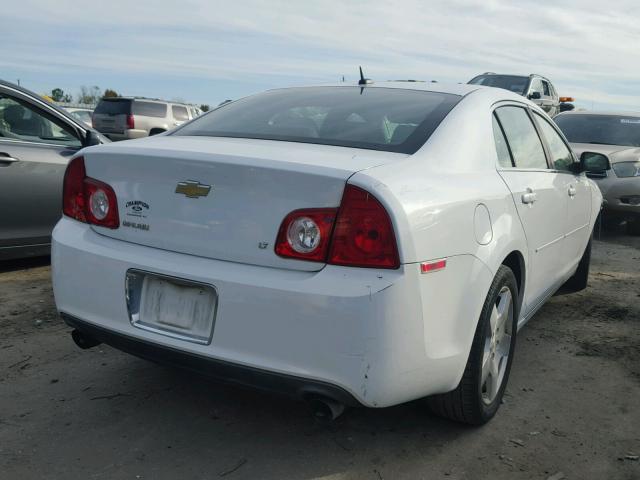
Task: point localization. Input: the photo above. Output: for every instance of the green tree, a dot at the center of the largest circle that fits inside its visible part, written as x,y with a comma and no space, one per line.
89,95
204,107
57,95
109,93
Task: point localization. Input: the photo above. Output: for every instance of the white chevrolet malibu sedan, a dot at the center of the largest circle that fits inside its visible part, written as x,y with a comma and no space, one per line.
350,245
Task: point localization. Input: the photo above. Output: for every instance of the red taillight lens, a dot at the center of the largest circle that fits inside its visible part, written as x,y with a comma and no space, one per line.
305,234
88,200
363,235
101,204
130,123
73,201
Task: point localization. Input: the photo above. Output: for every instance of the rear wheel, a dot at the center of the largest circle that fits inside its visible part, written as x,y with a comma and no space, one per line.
477,398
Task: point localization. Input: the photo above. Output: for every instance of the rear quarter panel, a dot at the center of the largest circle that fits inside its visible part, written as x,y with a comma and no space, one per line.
433,197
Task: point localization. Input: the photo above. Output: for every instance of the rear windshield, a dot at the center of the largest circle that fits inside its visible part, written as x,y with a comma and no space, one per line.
515,83
149,109
114,107
601,129
388,119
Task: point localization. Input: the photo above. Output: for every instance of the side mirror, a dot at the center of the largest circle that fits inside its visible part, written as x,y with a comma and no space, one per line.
90,138
535,96
595,164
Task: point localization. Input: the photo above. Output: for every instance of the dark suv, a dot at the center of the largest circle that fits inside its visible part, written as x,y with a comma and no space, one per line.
536,88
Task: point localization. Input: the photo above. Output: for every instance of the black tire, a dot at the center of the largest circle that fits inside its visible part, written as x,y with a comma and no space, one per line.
580,279
465,404
156,131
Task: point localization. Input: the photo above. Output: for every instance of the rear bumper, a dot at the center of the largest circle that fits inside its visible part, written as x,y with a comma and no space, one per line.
127,135
217,369
359,331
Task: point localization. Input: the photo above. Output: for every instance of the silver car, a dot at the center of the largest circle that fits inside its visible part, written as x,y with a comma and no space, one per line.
616,135
36,141
535,87
123,118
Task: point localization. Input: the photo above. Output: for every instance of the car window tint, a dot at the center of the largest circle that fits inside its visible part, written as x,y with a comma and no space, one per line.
19,120
514,83
560,154
522,137
621,130
388,119
545,89
536,86
149,109
179,112
116,106
504,157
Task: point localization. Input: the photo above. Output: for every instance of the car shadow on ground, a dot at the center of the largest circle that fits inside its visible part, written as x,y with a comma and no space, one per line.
252,434
24,263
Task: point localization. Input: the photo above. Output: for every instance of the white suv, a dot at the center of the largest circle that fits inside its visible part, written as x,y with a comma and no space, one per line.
122,118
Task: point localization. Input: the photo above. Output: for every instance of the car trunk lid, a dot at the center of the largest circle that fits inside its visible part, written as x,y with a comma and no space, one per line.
222,198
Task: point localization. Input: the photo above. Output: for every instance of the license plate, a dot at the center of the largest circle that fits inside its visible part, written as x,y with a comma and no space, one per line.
171,306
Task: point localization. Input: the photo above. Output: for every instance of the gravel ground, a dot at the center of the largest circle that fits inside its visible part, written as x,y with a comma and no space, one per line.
571,409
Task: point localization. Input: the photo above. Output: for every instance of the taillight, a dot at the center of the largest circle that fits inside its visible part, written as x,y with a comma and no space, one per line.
130,123
363,235
88,200
358,234
305,234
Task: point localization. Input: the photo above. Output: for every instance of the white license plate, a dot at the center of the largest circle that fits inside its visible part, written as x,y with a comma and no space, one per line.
173,307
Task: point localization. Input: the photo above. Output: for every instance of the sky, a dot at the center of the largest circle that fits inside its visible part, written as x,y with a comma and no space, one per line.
206,51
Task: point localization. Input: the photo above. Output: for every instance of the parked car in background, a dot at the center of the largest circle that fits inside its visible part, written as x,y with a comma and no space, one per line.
338,243
37,139
123,118
535,87
82,114
615,135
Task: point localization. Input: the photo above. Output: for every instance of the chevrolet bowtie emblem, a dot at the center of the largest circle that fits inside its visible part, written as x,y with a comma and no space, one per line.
193,189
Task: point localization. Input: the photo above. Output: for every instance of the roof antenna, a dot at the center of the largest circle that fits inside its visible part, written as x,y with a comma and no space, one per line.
363,81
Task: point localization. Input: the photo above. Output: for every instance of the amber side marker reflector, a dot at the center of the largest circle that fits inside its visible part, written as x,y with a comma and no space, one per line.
428,267
567,99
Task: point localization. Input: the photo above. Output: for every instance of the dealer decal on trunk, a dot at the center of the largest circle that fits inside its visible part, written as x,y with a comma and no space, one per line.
139,209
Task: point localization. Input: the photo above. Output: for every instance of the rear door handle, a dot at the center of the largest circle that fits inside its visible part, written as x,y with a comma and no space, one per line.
529,197
572,191
7,159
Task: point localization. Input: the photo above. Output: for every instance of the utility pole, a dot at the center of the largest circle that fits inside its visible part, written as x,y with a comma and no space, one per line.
18,82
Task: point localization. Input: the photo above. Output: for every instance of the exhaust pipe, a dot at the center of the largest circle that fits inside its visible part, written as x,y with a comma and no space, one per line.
325,409
84,341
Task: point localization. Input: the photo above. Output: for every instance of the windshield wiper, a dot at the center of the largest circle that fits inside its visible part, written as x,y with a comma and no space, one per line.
600,143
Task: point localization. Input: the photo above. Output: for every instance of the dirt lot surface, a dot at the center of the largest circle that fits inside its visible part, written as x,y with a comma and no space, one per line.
572,408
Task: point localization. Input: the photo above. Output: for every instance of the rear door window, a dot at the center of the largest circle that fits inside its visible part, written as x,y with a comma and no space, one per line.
523,138
560,153
502,149
180,113
149,109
